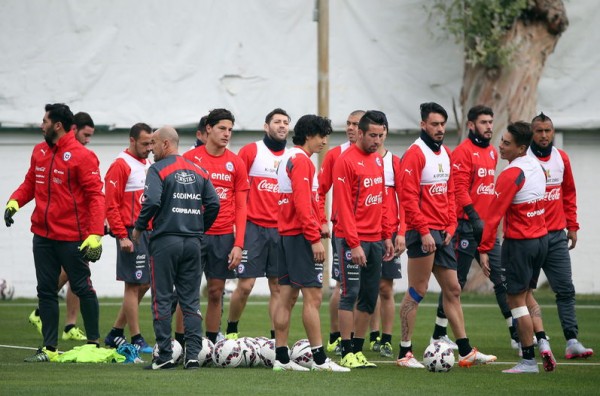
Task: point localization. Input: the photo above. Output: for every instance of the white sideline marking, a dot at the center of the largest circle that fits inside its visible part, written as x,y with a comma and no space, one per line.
579,363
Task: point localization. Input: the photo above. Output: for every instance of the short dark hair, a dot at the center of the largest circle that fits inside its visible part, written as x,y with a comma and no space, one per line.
478,110
311,125
217,115
82,119
60,112
372,117
137,129
432,107
541,118
278,110
521,132
202,124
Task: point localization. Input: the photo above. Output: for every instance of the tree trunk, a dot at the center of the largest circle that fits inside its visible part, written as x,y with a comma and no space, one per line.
511,91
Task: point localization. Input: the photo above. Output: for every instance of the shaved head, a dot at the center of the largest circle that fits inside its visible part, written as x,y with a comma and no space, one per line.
168,133
166,142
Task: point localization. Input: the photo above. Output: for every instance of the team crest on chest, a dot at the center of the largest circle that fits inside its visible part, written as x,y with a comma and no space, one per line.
67,156
229,166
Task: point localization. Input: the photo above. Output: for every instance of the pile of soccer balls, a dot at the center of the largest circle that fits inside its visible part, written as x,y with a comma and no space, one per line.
243,352
7,290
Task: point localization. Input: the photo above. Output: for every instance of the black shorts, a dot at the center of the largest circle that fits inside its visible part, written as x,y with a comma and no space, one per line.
296,264
392,269
259,257
134,267
335,263
215,256
523,259
444,254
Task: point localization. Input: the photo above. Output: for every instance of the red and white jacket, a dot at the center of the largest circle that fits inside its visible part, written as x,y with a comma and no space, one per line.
561,197
391,167
426,189
228,175
124,189
325,179
263,196
65,182
520,190
298,207
473,171
360,197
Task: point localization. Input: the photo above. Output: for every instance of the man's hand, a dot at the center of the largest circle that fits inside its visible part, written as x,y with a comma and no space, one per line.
448,238
126,245
571,236
427,243
399,245
388,248
11,208
475,221
318,252
234,258
92,247
484,262
325,233
135,235
358,256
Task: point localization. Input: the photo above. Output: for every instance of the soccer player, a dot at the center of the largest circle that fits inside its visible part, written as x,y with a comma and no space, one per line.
259,257
222,245
362,224
67,223
519,198
426,190
83,128
301,252
200,133
124,188
182,204
560,201
391,269
325,180
473,168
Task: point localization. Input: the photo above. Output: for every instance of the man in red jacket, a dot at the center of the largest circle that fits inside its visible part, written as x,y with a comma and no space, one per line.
67,222
124,187
560,203
361,226
301,252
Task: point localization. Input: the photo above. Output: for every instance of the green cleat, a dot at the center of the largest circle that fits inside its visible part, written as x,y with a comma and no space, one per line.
376,345
42,355
350,361
360,357
75,334
386,350
36,321
232,336
335,346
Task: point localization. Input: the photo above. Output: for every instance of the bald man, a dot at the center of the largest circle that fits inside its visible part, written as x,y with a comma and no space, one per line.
182,204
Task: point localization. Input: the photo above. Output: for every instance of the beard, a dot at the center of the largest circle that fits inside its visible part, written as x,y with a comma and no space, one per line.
49,137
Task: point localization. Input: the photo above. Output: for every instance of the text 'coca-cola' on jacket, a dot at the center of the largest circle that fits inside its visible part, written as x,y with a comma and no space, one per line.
65,182
179,199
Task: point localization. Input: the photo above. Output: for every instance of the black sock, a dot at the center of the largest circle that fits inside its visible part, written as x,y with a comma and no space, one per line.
212,336
180,337
439,331
404,351
116,332
51,348
540,335
272,334
373,336
346,347
281,354
135,338
513,333
334,336
37,313
232,327
69,327
319,355
357,344
464,347
386,338
528,352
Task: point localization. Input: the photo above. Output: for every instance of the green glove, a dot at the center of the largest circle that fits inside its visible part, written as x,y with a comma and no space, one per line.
11,208
92,247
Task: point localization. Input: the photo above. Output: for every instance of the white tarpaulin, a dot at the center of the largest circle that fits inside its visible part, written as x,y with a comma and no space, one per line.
168,62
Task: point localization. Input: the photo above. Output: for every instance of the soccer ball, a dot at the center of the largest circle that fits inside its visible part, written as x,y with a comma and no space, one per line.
301,353
250,354
205,357
7,290
227,353
267,353
176,348
438,357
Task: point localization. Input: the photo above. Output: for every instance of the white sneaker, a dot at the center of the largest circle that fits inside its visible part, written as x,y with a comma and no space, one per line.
525,366
446,340
290,366
409,361
547,356
515,344
474,358
575,349
329,365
